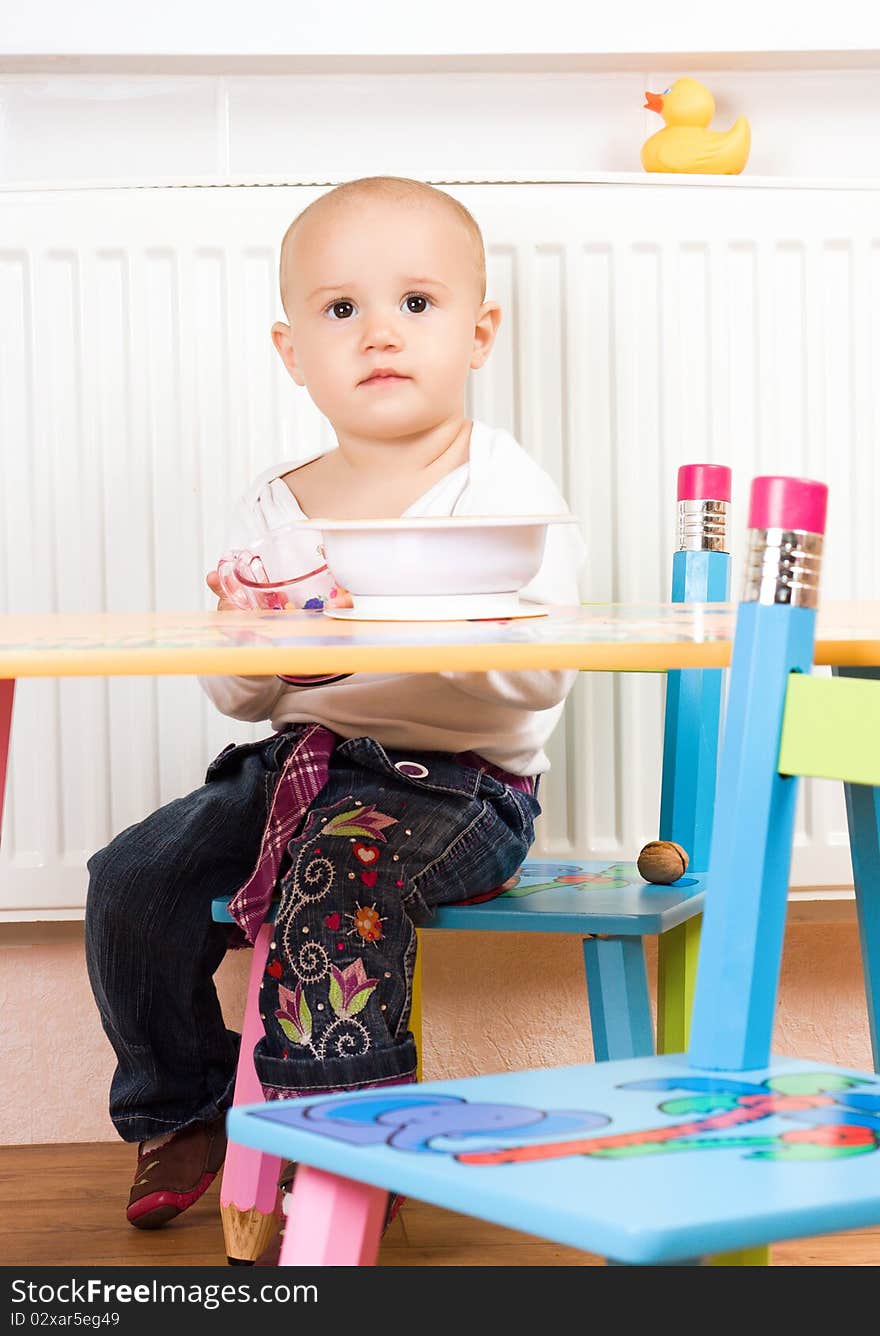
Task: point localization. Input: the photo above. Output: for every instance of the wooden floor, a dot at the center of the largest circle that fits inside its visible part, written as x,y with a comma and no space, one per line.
64,1206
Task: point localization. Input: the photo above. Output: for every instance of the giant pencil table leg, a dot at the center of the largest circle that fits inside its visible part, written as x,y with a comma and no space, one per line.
690,756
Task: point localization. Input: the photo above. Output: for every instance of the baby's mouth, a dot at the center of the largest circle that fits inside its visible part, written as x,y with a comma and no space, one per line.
383,377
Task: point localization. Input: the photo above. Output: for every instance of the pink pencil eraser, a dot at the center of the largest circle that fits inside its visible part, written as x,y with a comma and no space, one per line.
704,482
788,503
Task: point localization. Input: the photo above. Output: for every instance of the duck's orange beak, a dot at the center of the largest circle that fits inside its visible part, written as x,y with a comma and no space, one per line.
653,102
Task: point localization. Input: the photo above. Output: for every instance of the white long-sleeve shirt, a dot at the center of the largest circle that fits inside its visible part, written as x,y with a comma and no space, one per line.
506,717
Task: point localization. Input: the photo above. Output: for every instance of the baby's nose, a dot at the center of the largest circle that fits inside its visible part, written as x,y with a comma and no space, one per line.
382,332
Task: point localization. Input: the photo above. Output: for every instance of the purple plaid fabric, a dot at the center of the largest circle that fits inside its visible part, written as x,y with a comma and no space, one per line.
301,780
304,775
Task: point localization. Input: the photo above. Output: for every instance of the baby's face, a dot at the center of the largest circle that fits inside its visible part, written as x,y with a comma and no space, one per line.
377,287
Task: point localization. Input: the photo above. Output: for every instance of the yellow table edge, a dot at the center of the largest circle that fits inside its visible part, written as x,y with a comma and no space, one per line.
623,637
144,661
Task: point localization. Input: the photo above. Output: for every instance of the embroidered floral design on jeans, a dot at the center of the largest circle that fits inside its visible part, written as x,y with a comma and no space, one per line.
294,1015
360,821
302,888
311,962
312,878
350,990
367,923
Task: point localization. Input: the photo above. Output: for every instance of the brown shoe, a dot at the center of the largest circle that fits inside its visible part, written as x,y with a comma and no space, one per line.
272,1252
174,1175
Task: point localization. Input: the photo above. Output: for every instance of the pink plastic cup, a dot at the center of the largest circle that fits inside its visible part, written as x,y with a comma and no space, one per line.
269,573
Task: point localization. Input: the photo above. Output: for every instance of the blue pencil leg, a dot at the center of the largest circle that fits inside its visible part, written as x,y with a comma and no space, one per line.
687,800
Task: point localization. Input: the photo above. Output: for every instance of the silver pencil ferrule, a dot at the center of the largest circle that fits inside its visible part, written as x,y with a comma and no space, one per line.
702,526
783,566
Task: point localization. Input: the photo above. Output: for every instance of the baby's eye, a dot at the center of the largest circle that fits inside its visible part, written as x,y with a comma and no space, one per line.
341,310
416,303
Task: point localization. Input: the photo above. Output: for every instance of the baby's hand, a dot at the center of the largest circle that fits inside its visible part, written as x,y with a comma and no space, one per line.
212,579
339,597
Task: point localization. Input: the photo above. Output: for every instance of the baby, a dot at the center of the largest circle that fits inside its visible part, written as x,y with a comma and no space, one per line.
376,797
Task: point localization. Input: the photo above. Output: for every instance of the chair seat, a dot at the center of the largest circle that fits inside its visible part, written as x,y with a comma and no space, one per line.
571,895
645,1161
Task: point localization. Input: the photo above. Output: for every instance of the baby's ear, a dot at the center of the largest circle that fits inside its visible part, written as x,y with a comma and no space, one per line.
488,320
286,351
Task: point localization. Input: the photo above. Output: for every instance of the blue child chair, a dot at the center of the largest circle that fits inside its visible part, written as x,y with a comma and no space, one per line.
673,1158
610,907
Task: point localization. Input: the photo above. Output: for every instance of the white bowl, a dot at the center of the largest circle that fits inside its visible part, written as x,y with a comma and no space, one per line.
437,567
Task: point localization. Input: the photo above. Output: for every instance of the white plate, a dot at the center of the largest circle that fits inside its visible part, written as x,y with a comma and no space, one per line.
439,608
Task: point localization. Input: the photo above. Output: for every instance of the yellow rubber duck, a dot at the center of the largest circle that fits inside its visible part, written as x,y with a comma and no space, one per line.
686,145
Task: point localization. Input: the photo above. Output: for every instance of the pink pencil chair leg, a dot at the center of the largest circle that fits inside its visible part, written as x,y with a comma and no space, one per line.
249,1189
332,1221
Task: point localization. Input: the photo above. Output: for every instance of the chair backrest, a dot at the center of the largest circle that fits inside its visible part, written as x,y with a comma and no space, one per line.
831,730
744,924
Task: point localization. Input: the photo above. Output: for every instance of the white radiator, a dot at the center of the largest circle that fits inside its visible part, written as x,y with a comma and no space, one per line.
646,324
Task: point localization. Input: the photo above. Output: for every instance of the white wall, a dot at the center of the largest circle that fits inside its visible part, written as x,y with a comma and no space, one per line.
438,125
398,26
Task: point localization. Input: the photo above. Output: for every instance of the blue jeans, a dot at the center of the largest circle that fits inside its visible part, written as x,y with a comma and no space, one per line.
379,850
